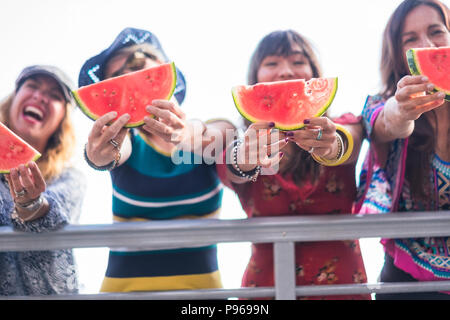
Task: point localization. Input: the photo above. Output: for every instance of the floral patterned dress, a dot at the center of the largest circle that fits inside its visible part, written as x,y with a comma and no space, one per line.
317,263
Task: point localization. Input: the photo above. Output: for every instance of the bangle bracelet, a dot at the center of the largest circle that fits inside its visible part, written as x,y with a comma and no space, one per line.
236,170
35,207
344,153
110,166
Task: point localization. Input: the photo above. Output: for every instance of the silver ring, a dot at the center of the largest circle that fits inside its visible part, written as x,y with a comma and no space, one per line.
319,134
20,193
311,150
114,143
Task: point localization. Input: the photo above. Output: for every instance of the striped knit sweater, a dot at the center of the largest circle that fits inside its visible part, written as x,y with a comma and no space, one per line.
149,186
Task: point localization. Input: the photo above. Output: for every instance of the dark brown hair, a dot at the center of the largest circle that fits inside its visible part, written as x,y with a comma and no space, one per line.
280,43
422,141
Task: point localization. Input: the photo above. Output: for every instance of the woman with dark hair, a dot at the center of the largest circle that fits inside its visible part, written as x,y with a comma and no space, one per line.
45,195
408,164
315,173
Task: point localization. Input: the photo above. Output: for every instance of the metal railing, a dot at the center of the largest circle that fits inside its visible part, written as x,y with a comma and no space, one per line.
282,231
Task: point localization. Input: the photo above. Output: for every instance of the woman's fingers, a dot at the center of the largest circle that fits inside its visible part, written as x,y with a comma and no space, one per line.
14,182
38,179
271,161
105,140
166,117
412,98
260,143
411,80
407,92
26,183
113,130
170,106
100,123
169,121
319,133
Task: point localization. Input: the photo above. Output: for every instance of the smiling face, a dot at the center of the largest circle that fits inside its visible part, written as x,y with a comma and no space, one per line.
37,110
423,28
285,67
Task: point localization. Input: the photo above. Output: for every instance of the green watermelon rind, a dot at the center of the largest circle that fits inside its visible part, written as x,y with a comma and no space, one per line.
286,128
94,117
414,68
36,156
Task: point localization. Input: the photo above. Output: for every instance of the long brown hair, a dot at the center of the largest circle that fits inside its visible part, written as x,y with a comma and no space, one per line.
60,146
422,141
280,43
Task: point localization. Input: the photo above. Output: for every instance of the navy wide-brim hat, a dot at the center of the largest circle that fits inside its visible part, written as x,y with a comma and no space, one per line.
93,69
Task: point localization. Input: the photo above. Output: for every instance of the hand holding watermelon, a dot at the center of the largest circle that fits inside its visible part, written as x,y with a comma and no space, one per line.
105,141
407,105
318,137
169,121
411,101
261,147
26,183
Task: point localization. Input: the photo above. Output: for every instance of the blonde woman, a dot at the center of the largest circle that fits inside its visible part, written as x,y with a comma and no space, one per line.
44,195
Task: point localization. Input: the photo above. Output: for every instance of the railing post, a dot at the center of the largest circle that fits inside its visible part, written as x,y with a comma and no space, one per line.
284,262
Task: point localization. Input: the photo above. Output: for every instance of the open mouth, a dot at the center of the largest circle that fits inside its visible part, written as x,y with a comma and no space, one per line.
33,113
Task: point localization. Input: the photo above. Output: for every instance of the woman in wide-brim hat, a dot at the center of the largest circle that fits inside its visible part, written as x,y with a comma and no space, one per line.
150,182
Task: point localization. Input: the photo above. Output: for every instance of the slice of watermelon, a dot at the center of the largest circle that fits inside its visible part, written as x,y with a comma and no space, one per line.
129,93
14,151
433,63
286,103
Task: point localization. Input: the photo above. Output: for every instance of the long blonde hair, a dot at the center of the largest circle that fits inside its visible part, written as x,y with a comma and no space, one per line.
60,146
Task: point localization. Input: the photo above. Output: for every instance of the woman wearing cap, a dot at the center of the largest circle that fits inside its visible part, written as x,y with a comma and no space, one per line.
45,195
147,183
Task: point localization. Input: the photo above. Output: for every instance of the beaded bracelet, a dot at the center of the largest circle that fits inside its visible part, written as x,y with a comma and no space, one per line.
236,170
108,167
343,153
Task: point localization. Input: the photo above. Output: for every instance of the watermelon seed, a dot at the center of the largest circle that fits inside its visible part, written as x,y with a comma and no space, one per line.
104,90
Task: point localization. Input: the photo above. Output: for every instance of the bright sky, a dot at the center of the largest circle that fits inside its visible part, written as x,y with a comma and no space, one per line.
211,42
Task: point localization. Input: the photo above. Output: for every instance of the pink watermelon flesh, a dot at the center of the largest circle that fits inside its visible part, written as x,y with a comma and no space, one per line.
286,103
14,151
130,93
433,63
